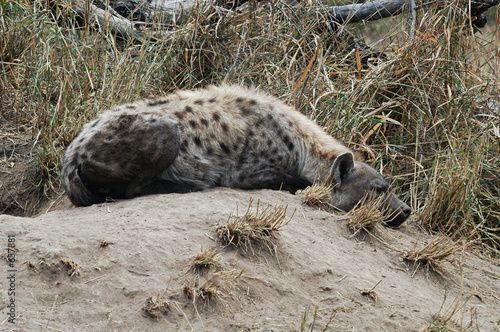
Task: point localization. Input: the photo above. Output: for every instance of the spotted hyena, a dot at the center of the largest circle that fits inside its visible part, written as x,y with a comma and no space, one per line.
221,136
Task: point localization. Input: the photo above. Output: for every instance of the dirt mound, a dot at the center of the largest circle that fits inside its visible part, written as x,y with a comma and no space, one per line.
108,267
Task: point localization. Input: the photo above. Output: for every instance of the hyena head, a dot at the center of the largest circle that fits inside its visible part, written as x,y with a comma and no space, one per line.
353,180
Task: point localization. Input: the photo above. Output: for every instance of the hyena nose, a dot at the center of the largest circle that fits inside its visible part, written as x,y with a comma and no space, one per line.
406,211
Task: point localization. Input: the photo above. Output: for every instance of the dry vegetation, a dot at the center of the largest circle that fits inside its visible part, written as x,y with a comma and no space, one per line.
210,259
368,216
254,227
432,255
427,115
217,288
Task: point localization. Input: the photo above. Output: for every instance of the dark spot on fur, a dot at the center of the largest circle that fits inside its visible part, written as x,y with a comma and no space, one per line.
245,110
179,115
274,151
225,148
286,139
216,117
131,107
204,122
197,141
269,142
224,127
280,158
270,117
157,102
253,102
272,160
213,100
239,100
84,156
152,120
250,133
259,122
193,124
184,145
241,177
210,151
290,123
74,162
95,123
198,102
264,154
81,139
290,146
188,109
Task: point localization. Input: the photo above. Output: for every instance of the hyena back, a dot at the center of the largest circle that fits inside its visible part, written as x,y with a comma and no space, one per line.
221,136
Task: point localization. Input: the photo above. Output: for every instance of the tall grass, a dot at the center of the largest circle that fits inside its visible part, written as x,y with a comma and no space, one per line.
427,115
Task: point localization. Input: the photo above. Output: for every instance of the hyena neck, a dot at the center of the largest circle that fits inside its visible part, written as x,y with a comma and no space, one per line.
320,153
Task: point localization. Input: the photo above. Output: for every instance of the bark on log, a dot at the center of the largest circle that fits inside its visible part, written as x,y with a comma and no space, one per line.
377,9
105,19
373,10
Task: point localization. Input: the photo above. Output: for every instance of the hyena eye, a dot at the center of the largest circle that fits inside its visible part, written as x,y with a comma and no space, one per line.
379,189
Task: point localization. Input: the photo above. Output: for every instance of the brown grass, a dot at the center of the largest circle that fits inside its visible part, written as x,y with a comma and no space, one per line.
259,227
73,268
433,254
367,216
207,259
155,307
217,288
319,195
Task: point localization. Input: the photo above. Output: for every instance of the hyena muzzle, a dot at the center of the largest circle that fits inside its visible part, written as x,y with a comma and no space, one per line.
220,136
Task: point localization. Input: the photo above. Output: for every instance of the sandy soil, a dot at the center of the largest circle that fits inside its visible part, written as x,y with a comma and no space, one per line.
151,241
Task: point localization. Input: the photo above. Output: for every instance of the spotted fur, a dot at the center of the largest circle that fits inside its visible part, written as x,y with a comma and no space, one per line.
220,136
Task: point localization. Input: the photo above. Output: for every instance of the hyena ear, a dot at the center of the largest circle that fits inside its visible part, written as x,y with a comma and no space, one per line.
341,166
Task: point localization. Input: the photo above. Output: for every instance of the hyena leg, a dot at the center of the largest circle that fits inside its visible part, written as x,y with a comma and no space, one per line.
156,186
271,179
127,149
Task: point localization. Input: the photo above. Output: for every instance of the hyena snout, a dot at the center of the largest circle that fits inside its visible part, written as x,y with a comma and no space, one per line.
396,211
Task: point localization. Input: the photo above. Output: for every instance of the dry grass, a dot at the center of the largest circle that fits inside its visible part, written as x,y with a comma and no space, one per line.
73,268
217,288
319,195
207,259
370,293
309,320
454,318
433,254
155,307
433,99
259,227
368,216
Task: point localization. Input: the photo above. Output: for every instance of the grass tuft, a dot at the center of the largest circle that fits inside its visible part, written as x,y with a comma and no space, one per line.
207,259
155,307
368,216
433,254
217,288
318,195
73,268
254,227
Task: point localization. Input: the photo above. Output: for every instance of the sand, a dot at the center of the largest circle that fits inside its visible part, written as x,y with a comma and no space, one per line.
94,268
